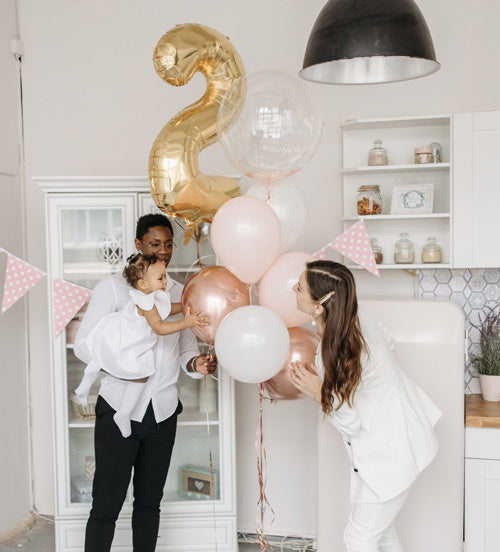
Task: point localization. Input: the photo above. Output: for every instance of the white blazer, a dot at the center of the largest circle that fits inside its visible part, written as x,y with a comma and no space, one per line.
388,433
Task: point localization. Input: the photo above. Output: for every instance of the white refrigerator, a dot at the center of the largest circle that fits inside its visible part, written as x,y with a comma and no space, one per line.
430,346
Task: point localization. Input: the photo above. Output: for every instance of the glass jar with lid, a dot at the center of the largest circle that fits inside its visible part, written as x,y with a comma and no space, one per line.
377,155
431,251
369,200
404,252
423,155
377,251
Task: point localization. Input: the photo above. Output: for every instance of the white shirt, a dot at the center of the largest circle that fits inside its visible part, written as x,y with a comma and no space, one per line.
171,352
388,433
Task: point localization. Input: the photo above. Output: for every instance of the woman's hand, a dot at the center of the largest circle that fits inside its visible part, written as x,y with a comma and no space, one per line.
306,380
205,364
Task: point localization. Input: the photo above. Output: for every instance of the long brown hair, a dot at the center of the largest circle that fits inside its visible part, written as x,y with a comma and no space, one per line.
342,344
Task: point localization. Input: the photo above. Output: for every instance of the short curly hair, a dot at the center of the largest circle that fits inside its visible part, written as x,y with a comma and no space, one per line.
137,266
146,222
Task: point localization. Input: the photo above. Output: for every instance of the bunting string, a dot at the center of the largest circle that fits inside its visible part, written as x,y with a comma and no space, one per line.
21,276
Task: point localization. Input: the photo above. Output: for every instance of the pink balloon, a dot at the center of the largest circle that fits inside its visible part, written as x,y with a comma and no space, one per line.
276,287
303,345
216,292
246,237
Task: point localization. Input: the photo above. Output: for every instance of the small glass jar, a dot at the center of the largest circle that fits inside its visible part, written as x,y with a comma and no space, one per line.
423,155
377,155
431,251
437,152
369,200
404,252
377,251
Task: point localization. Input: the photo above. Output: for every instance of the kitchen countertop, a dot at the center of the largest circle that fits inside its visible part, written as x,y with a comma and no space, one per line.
481,413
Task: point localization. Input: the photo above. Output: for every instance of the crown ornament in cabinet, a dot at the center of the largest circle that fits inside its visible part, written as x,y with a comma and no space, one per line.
415,198
90,232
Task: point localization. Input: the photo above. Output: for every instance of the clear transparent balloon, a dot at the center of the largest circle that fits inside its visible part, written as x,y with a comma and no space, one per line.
278,129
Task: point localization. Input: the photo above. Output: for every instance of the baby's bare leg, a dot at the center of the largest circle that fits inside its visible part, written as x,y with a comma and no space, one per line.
90,376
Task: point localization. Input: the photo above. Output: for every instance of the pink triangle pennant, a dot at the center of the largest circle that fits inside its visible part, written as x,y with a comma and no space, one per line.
354,243
20,277
68,298
320,255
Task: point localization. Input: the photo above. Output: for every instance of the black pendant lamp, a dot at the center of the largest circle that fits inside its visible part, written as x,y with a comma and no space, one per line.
369,41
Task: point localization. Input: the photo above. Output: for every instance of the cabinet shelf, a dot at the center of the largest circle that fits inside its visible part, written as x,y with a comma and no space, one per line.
398,217
189,417
90,269
412,266
428,167
181,268
413,121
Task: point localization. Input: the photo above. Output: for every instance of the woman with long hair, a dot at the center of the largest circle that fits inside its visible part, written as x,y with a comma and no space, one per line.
385,419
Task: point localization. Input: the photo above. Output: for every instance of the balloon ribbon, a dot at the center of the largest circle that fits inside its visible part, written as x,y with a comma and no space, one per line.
263,502
212,478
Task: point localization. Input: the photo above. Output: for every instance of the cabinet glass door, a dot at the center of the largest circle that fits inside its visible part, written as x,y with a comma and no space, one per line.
90,238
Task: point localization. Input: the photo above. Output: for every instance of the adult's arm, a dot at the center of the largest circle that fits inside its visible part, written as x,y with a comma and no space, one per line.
102,302
188,350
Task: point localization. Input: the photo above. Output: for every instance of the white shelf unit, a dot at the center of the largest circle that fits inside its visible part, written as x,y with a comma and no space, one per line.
400,136
78,212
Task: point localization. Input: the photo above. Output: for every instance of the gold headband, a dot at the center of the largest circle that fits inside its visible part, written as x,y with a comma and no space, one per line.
326,297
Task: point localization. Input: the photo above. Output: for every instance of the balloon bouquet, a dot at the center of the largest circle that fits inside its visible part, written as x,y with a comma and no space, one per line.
269,130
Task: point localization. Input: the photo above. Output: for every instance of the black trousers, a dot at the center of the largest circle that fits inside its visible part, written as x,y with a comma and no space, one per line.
148,451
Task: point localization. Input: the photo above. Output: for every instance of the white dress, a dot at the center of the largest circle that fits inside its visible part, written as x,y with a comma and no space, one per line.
122,342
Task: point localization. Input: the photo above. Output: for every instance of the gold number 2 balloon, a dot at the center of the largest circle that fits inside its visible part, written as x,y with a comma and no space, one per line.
177,185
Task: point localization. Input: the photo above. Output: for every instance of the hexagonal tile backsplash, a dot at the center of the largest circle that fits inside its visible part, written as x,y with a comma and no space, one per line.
472,290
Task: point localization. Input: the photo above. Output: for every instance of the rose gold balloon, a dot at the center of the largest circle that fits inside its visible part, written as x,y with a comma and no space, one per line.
216,292
303,345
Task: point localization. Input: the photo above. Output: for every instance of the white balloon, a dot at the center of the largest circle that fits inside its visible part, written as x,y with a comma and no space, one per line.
252,344
289,205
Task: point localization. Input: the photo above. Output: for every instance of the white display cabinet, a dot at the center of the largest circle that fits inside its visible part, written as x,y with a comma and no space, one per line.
90,231
400,136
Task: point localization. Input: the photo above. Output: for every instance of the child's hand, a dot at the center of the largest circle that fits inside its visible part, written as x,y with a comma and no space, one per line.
195,320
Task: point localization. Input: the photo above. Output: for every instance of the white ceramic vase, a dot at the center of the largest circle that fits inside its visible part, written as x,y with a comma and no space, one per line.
490,387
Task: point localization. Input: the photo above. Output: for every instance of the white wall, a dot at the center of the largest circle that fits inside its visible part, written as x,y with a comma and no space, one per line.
15,484
94,105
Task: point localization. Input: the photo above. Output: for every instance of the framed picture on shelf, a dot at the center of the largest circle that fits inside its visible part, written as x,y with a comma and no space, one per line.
408,199
196,482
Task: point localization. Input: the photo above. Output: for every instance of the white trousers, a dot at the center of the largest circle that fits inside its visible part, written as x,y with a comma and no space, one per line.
371,526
